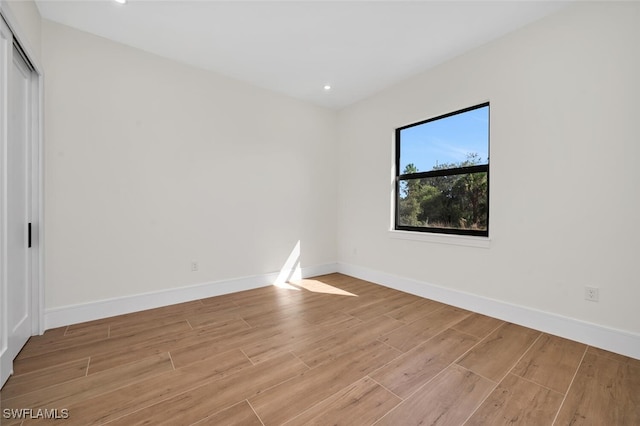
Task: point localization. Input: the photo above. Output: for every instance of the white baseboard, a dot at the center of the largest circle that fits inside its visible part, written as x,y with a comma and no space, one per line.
73,314
618,341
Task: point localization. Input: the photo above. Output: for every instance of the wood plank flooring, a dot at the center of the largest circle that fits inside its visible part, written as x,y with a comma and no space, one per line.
326,351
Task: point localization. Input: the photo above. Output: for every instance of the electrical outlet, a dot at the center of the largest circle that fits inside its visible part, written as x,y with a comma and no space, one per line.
592,294
194,265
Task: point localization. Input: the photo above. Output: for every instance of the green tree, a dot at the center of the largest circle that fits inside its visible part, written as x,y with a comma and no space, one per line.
409,206
409,188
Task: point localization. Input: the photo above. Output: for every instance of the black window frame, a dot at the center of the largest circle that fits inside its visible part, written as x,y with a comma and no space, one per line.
481,168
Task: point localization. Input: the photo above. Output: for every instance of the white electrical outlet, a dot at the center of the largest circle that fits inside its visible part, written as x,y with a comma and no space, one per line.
592,294
194,265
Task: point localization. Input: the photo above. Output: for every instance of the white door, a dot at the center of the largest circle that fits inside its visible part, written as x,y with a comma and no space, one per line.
17,292
18,196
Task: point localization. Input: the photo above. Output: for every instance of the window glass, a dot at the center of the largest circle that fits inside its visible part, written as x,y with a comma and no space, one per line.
442,167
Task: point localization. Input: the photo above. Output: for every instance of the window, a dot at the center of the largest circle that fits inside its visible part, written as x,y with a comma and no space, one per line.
442,174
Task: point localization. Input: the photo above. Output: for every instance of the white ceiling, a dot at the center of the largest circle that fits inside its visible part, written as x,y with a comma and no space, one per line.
296,47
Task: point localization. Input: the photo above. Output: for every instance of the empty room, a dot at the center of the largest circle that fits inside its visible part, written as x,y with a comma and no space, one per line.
319,212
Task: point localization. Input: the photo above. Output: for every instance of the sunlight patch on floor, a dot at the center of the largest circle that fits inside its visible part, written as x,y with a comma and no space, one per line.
320,287
287,286
290,277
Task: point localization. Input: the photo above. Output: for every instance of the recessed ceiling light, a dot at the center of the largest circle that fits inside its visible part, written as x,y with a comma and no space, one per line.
121,1
327,87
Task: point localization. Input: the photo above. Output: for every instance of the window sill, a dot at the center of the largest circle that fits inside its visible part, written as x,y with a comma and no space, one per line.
427,237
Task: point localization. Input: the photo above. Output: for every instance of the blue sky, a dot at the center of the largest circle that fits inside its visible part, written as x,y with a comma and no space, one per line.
447,140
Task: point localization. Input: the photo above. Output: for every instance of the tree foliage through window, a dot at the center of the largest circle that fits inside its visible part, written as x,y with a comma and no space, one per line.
450,201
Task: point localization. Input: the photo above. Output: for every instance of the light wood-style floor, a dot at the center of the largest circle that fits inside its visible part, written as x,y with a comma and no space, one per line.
330,350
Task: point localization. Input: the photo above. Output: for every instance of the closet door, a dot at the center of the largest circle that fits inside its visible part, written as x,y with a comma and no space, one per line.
17,111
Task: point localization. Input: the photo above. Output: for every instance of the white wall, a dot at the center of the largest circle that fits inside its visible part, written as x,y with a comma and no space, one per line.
150,164
564,147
